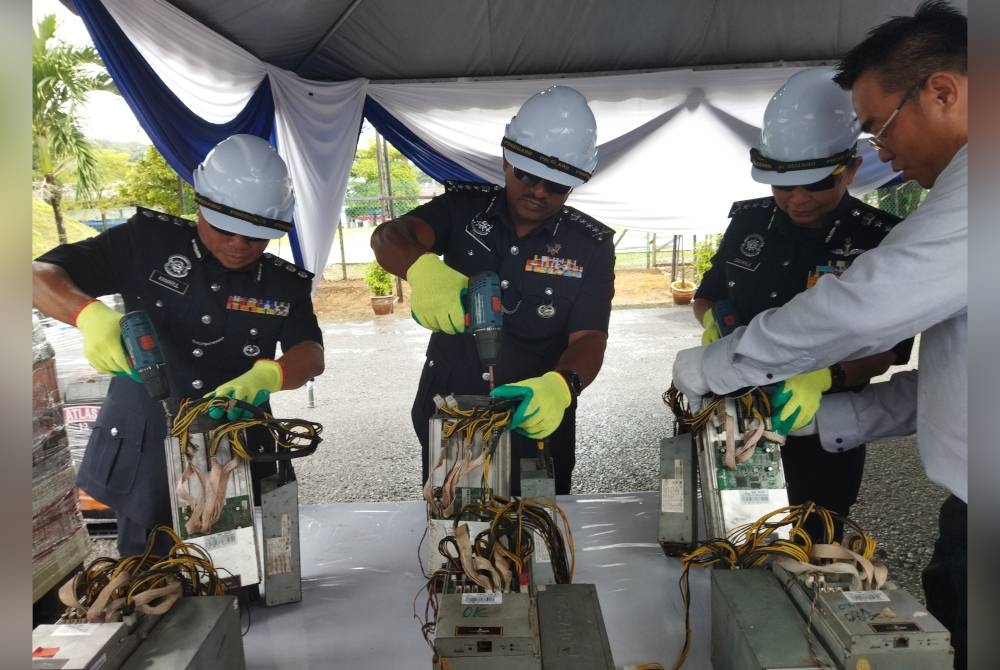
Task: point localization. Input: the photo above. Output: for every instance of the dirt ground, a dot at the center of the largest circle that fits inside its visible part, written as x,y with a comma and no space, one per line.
348,299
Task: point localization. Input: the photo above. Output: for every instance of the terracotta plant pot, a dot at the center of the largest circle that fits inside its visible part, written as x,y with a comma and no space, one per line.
383,304
682,291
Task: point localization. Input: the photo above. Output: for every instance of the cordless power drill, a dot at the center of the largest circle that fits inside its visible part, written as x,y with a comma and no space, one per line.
484,317
144,355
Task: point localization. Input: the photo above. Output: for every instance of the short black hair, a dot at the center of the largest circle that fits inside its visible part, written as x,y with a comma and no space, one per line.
907,49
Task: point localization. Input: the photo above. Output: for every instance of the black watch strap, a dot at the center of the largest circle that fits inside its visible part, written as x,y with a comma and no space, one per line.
838,378
572,381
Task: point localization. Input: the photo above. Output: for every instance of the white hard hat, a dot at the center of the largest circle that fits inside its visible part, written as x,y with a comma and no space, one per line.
809,129
243,187
553,136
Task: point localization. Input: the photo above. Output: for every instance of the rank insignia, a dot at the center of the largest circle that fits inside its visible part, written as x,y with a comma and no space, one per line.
553,249
550,265
258,305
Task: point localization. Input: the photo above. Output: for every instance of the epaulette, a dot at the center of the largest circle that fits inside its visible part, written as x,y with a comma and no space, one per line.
455,186
757,203
596,229
161,216
873,217
271,259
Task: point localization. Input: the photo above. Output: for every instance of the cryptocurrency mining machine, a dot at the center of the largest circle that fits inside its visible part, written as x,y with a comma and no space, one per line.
499,595
779,615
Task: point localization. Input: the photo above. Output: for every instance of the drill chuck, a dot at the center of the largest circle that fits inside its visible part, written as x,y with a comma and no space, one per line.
484,316
144,355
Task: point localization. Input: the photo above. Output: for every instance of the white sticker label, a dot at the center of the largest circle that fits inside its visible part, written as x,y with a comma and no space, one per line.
754,496
75,629
482,599
216,540
672,496
866,597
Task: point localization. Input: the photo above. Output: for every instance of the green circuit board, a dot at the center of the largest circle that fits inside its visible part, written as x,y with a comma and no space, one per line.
762,471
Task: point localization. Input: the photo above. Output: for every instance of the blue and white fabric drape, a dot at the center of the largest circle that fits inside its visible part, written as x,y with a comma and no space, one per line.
673,145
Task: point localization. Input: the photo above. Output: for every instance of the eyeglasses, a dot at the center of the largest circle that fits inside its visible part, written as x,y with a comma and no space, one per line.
531,180
876,140
246,237
823,184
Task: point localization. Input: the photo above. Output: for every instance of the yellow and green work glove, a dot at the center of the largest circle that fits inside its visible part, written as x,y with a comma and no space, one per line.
711,332
254,386
102,339
436,295
545,401
795,401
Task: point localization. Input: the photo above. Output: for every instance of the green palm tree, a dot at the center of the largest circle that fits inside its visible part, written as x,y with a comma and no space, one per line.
62,76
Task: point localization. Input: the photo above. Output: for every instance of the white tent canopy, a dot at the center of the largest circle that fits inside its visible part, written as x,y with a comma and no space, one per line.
673,138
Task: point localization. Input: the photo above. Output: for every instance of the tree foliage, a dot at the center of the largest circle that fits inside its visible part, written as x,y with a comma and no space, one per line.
62,76
152,183
364,183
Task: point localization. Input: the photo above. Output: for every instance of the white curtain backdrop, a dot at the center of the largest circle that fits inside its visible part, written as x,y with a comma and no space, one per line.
316,122
674,145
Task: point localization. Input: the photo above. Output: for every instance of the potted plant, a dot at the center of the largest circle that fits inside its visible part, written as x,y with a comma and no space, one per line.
681,290
379,283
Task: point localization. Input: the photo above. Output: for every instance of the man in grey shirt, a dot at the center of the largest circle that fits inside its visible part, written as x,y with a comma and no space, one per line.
910,90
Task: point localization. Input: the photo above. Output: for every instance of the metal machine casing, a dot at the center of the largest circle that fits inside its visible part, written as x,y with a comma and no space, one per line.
232,544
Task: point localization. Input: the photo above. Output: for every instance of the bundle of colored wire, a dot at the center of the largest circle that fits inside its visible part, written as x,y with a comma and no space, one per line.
293,437
470,428
108,589
752,545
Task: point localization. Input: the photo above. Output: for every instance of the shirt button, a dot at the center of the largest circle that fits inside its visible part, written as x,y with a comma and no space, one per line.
197,353
548,291
504,283
197,384
514,251
486,376
786,263
206,319
837,222
113,431
769,375
159,303
470,252
215,287
839,440
253,331
430,364
731,283
773,294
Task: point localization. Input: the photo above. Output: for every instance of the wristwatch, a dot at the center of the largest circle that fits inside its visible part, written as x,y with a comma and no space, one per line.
572,381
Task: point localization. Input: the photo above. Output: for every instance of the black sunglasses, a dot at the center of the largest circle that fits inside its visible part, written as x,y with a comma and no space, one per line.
824,184
229,234
532,180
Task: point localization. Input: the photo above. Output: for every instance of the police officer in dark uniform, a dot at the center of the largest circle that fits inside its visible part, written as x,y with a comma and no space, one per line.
219,305
777,247
556,269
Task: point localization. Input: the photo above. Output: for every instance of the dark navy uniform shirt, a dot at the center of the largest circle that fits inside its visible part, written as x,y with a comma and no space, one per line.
554,281
213,324
764,259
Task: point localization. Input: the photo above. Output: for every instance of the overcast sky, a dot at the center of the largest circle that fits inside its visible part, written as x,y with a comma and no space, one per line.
106,116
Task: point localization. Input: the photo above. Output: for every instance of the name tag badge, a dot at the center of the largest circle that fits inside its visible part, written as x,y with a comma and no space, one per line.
175,285
743,264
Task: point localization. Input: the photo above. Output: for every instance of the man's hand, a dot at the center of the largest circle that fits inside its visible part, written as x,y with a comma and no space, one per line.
689,378
254,386
795,401
102,339
711,332
545,401
436,295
